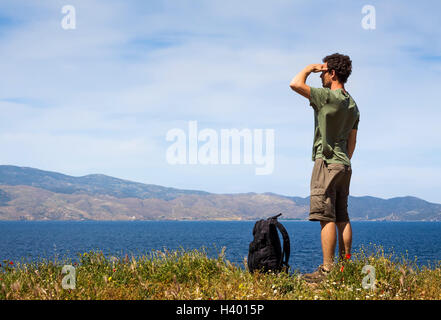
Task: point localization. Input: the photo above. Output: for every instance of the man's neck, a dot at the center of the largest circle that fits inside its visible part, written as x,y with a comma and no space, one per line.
337,85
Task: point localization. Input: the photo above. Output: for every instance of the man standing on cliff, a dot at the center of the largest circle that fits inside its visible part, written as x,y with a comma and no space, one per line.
336,123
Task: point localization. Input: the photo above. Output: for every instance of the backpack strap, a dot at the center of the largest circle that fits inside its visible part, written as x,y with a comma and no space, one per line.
286,245
276,216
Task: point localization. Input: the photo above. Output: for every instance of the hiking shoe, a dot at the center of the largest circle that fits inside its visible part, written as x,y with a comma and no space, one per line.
317,276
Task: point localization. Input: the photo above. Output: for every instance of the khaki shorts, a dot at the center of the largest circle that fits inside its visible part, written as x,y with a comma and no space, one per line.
329,191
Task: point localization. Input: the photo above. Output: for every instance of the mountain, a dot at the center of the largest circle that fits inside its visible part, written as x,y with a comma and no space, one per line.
92,184
33,194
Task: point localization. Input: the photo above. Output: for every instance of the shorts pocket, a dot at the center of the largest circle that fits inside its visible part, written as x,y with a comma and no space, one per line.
335,168
317,200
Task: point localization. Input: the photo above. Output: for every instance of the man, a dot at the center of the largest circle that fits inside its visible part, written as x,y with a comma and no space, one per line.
336,123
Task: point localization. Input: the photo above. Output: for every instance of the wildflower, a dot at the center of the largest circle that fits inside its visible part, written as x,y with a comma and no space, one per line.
341,269
348,256
114,270
11,263
110,279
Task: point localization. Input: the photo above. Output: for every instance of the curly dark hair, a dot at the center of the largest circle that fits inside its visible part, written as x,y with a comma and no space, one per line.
342,65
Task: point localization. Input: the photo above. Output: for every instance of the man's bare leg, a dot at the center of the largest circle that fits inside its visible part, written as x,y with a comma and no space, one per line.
329,242
344,238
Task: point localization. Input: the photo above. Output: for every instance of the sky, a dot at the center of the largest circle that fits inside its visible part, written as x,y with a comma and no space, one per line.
102,97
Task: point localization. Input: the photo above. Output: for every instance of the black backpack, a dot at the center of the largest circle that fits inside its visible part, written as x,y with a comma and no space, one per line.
265,253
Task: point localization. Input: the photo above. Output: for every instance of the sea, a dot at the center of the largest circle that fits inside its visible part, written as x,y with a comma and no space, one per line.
27,241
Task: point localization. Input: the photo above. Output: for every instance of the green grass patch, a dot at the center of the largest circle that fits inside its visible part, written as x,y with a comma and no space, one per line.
191,274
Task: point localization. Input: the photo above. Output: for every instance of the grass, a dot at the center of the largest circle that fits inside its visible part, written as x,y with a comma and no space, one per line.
193,275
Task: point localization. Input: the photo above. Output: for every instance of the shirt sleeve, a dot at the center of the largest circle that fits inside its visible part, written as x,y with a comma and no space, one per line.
318,98
355,126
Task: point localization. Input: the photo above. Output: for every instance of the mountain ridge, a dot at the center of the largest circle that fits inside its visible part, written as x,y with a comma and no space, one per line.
32,194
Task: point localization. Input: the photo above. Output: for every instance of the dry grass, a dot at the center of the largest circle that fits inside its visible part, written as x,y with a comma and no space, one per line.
193,275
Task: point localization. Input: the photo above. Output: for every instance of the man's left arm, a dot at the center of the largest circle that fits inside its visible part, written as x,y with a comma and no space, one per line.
298,83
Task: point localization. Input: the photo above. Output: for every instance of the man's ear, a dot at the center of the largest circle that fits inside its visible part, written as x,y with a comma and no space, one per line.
333,75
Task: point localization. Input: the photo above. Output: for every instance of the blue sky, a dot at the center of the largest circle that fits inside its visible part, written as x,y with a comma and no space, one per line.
101,98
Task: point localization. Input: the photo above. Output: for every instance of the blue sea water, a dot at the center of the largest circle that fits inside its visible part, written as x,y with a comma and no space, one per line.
34,240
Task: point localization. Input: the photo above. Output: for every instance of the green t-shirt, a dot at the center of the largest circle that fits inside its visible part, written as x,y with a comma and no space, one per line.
335,115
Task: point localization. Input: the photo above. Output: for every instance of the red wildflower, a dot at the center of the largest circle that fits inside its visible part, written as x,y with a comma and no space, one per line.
11,263
114,270
348,256
341,269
